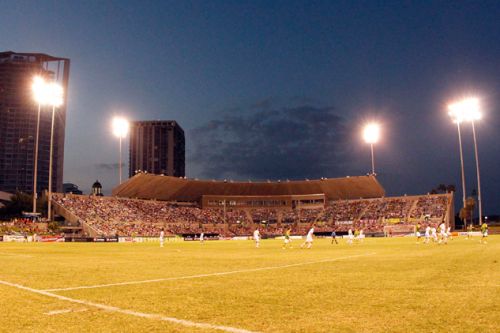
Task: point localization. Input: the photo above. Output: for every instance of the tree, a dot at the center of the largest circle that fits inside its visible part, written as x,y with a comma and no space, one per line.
466,212
18,203
22,202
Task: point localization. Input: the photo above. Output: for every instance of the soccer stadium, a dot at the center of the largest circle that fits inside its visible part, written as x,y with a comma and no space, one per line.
181,255
146,204
163,163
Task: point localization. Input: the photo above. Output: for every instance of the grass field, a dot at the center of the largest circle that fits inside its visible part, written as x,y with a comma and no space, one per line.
380,285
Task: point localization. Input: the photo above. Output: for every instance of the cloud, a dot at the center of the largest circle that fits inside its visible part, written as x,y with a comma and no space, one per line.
279,143
109,166
265,103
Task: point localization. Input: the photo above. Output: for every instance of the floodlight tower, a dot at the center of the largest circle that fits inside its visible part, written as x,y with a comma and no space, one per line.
457,116
470,111
120,129
371,134
39,89
55,98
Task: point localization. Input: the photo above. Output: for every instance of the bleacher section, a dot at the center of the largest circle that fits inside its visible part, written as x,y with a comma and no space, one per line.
109,216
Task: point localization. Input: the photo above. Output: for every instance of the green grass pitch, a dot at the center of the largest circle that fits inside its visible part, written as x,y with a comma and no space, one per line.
380,285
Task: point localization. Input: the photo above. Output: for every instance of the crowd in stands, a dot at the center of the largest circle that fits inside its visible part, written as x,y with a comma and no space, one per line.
22,226
430,206
264,214
343,210
131,217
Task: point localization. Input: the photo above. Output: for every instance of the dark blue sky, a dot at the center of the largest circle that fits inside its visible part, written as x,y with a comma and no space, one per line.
277,89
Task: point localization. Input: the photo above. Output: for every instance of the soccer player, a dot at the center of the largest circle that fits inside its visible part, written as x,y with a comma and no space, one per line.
334,237
427,234
356,235
286,239
361,235
434,234
350,236
309,239
256,237
484,232
162,237
417,232
202,237
470,229
443,237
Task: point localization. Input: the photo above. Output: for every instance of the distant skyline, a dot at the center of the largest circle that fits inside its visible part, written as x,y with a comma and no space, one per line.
277,89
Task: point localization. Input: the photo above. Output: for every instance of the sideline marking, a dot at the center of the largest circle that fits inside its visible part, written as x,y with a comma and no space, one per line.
56,312
210,274
15,255
129,312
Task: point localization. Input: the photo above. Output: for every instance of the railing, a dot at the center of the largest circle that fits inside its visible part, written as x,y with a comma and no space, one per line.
73,218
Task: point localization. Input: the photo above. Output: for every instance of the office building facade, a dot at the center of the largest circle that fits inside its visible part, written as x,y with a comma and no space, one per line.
18,122
157,147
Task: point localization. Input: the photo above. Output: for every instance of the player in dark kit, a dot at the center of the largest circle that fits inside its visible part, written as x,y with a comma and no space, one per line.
334,237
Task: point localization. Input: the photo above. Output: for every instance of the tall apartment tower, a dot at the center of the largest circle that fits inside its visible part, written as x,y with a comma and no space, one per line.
157,147
18,122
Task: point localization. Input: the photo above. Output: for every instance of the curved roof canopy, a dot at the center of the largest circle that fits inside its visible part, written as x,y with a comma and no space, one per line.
148,186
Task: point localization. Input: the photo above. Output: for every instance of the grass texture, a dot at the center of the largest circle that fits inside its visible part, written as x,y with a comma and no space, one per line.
379,285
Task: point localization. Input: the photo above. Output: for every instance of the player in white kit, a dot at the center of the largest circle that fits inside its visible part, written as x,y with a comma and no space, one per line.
350,236
443,236
427,234
162,237
256,237
309,239
434,234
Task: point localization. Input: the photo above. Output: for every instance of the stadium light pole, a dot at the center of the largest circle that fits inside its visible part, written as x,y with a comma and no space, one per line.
371,134
39,89
457,116
55,99
120,130
470,110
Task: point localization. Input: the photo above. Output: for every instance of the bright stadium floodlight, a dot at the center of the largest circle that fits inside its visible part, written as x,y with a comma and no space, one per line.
55,99
371,135
120,129
468,110
465,110
55,94
39,88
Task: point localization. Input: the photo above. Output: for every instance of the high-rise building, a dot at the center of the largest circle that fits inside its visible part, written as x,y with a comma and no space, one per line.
157,147
18,121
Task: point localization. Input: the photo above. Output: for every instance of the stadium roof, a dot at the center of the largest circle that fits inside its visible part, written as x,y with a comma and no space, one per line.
148,186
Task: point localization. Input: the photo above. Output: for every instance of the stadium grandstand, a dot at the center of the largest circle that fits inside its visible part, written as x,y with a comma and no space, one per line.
146,204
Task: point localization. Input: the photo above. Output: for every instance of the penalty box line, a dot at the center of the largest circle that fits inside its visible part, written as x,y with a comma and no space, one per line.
268,268
110,308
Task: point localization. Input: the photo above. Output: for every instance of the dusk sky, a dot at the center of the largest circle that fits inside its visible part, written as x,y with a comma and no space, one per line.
277,89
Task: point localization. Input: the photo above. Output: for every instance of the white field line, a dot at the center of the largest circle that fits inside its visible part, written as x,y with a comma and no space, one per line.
129,312
56,312
15,255
268,268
